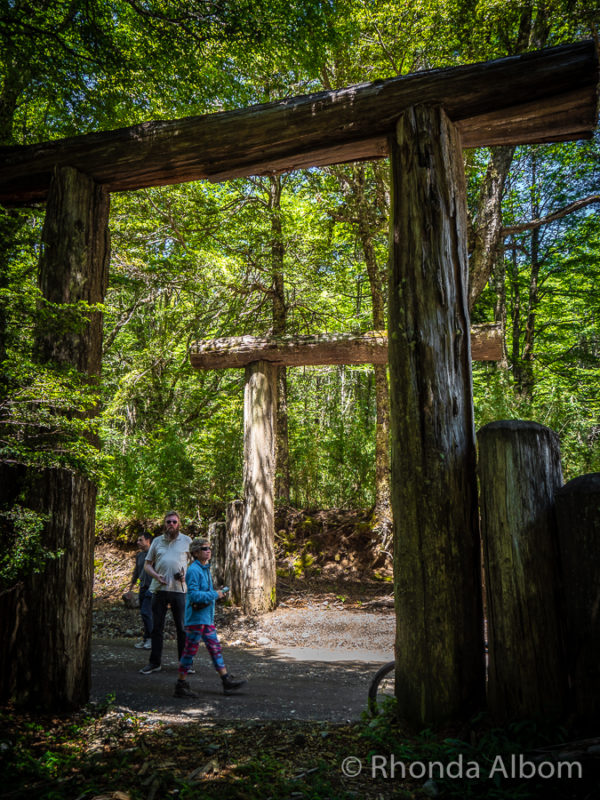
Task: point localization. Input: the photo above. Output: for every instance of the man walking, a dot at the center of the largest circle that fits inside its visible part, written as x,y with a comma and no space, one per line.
145,596
166,563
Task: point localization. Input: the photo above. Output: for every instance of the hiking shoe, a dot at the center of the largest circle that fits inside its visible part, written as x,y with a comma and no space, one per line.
139,645
149,669
182,689
230,684
147,644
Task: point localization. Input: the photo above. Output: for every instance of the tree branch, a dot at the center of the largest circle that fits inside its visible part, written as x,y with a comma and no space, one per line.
537,223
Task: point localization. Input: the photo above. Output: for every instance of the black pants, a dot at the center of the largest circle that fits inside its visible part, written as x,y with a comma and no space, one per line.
160,601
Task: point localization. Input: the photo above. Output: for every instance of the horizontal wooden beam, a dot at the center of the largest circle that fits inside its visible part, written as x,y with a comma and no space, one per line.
323,348
548,95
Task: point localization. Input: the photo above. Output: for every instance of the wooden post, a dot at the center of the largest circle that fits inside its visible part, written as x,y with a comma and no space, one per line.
45,660
578,516
217,534
519,474
232,573
251,564
439,639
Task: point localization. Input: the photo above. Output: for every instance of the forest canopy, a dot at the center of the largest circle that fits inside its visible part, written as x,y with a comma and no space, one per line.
300,253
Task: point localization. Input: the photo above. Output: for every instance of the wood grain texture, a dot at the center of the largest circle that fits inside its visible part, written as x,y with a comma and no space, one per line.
519,475
549,95
323,348
578,517
439,643
257,543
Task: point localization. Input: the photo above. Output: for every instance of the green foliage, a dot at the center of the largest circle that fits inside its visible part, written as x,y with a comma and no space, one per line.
23,551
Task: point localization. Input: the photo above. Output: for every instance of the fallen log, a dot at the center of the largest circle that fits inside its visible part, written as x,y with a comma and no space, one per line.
548,95
323,348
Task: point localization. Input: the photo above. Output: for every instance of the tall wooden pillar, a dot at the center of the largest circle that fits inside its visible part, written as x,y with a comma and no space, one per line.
439,639
47,619
255,574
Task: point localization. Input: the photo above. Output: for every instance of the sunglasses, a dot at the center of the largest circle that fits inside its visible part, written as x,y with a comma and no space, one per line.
172,522
205,548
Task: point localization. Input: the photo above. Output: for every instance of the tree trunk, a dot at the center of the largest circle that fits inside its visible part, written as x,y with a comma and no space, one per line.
47,618
439,641
487,236
256,551
578,515
519,474
282,452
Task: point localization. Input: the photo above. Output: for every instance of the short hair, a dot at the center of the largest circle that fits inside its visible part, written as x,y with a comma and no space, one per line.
172,514
147,536
198,544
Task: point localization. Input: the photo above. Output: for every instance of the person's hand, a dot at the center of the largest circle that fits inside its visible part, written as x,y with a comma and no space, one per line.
220,594
162,579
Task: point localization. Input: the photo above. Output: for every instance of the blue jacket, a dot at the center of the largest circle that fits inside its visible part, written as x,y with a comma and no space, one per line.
199,590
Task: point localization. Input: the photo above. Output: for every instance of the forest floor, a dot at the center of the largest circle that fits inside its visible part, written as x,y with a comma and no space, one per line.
298,730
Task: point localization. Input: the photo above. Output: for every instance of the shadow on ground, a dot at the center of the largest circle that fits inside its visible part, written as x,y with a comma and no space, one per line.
283,683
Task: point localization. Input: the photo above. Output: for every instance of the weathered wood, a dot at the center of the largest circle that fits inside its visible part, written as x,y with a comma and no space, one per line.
45,658
252,562
519,475
578,517
549,95
322,348
439,641
233,554
217,535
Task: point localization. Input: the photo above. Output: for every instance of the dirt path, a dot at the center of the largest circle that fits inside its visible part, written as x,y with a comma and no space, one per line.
309,663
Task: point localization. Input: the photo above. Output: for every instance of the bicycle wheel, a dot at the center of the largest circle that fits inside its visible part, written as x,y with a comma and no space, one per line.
382,687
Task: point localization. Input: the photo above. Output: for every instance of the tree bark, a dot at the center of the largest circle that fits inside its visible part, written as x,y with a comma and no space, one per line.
256,552
578,516
488,233
47,618
217,534
550,95
439,643
519,474
233,553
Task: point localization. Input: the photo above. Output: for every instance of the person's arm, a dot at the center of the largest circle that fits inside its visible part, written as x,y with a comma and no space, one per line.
137,571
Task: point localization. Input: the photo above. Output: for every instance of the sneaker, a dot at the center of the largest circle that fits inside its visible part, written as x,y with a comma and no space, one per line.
139,645
230,684
182,689
149,669
147,644
191,671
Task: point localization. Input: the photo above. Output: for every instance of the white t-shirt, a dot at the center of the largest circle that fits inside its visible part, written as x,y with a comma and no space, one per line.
168,557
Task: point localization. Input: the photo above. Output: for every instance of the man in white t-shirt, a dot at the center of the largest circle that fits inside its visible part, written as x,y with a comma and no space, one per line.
166,563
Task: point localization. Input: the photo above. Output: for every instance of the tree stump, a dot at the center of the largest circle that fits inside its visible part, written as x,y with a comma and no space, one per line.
439,641
519,474
233,554
578,517
217,534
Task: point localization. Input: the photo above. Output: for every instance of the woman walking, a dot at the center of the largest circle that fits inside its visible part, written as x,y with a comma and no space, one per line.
199,621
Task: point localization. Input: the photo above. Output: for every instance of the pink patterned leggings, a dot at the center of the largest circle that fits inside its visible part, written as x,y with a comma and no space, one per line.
193,634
